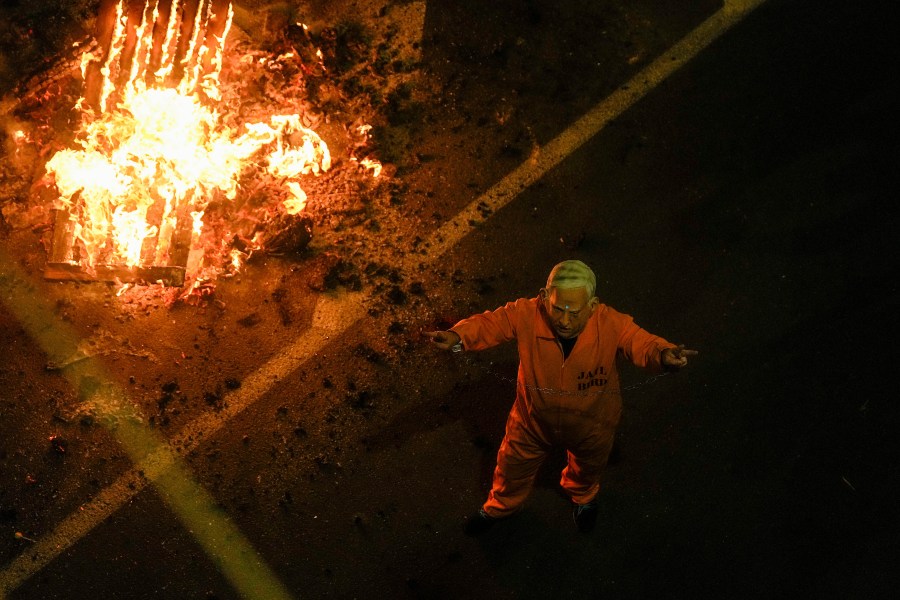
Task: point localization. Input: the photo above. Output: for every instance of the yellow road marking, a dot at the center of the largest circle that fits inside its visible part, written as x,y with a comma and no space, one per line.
350,307
228,549
585,128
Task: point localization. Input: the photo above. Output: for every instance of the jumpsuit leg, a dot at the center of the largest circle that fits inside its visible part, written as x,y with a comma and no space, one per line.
518,460
586,463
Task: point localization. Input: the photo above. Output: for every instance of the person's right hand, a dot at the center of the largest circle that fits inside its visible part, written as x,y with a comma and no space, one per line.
443,339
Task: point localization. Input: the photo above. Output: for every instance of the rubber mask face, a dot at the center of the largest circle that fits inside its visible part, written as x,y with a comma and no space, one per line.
568,310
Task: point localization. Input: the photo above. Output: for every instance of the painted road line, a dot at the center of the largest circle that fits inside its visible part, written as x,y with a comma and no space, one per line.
227,548
155,462
585,128
349,307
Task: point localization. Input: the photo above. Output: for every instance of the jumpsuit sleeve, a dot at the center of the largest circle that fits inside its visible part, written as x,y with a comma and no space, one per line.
640,346
490,328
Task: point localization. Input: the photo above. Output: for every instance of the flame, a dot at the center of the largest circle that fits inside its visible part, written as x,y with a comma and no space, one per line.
372,165
297,202
156,151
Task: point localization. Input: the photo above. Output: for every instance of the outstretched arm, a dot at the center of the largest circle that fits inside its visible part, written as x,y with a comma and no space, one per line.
445,340
676,358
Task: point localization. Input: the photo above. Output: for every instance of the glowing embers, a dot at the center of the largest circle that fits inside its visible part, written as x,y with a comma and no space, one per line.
147,164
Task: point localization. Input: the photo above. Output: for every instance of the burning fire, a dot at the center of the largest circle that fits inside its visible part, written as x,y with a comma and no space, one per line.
155,149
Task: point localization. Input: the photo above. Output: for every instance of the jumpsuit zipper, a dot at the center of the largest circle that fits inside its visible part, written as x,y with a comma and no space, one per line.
562,380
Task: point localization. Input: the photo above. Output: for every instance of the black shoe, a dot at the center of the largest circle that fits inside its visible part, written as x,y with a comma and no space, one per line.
585,516
479,523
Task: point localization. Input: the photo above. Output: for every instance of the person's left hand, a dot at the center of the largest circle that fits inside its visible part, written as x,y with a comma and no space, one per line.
676,358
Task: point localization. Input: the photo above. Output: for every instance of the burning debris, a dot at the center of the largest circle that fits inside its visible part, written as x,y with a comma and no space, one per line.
192,150
184,220
157,149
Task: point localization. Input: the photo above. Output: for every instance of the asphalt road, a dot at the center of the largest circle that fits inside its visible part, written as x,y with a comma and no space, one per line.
741,207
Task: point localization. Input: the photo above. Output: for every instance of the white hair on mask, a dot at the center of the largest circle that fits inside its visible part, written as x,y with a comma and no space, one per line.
572,274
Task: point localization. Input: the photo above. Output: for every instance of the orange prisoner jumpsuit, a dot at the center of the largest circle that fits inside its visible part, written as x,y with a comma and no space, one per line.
572,402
